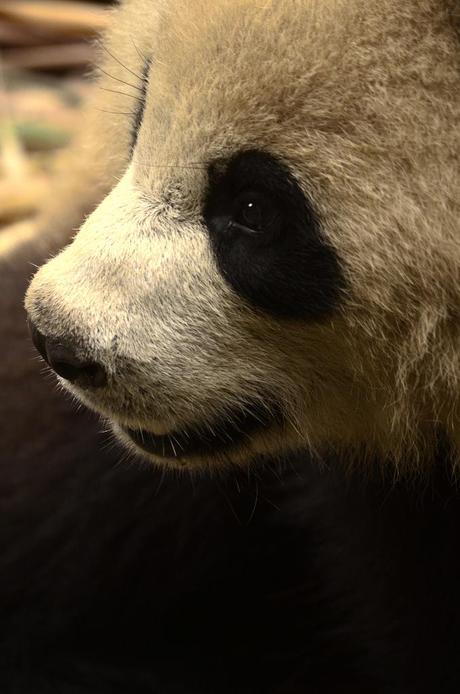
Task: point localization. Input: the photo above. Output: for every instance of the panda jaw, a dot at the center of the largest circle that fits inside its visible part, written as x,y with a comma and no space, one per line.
205,440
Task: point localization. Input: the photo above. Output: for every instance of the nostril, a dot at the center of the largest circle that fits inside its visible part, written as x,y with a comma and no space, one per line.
66,363
87,374
38,339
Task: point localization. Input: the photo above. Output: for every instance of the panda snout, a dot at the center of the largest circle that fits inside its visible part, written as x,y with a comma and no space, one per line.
62,356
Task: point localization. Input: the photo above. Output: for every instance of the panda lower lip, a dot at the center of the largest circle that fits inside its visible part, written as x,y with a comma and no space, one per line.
208,438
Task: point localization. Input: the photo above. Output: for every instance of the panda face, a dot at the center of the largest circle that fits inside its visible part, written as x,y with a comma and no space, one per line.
195,347
271,270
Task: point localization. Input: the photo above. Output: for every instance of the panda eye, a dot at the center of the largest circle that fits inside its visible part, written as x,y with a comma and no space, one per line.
255,213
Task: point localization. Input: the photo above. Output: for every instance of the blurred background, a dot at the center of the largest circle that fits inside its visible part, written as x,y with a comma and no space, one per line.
46,52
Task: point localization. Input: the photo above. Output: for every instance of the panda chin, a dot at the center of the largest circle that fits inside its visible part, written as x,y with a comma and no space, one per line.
208,438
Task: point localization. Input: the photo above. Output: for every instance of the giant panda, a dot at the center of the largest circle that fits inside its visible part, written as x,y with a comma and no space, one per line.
262,304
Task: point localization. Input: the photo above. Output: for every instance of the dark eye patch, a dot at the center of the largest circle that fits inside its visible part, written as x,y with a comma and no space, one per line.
267,240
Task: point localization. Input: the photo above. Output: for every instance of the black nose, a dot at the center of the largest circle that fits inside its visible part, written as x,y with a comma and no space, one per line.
62,358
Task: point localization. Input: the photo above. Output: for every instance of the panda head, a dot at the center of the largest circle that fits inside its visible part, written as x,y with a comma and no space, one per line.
278,266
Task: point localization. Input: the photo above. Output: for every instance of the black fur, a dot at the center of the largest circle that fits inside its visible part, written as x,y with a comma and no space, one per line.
138,113
288,269
115,578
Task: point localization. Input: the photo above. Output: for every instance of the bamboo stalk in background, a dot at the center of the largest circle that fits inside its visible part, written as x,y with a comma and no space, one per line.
58,57
63,18
22,186
45,49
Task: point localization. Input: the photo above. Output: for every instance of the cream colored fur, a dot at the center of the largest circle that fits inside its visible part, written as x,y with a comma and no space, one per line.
361,99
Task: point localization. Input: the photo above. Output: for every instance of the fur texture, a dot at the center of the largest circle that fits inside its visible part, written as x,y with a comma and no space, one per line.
361,101
284,579
287,580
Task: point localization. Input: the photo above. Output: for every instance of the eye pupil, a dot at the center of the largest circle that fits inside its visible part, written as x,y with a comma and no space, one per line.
252,215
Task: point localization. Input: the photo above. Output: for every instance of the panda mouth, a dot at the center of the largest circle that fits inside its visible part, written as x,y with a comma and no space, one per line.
228,431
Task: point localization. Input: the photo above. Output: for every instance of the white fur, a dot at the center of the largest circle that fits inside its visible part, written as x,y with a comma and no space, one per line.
361,100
